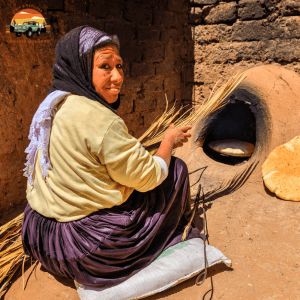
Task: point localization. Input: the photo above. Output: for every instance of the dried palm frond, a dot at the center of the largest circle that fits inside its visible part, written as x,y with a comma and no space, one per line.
11,251
12,255
153,136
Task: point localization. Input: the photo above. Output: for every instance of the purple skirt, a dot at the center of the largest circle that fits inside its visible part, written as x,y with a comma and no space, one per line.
108,246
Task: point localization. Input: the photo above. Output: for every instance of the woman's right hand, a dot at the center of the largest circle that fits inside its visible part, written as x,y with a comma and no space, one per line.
177,136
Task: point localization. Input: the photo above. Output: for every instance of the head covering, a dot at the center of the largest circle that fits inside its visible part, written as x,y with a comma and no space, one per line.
73,65
72,74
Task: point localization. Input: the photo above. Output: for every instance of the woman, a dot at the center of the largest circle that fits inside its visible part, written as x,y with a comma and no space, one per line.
100,207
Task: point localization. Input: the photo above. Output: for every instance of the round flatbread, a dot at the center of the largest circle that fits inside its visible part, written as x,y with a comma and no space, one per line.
233,148
281,170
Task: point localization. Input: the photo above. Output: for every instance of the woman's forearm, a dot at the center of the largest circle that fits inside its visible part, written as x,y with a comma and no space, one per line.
165,151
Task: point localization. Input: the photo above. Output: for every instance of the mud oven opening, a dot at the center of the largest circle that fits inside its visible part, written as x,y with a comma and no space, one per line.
236,121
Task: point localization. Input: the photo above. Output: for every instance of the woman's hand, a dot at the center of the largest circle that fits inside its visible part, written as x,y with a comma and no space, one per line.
177,136
173,138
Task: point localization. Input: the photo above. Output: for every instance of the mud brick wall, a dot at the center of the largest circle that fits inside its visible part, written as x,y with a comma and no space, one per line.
154,41
235,35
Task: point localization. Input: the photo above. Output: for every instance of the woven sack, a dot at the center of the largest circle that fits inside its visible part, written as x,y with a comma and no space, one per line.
176,264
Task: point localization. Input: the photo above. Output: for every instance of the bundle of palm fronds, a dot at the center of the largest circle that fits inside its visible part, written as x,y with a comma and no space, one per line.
11,251
12,255
217,99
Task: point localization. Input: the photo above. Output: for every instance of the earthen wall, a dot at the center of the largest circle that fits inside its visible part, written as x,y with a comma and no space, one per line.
173,47
153,36
232,36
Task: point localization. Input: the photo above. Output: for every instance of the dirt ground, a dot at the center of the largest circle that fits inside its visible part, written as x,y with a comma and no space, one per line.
258,232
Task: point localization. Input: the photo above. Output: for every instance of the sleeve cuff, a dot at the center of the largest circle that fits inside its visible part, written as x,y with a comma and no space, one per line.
164,169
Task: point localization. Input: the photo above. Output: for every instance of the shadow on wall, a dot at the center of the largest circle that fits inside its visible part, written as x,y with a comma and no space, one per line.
156,45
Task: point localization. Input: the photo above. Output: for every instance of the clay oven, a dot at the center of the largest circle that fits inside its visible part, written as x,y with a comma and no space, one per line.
264,110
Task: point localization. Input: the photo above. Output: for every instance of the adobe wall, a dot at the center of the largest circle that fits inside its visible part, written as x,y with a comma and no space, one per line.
154,41
235,35
169,46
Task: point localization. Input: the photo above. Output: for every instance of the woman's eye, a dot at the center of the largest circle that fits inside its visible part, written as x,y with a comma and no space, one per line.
104,66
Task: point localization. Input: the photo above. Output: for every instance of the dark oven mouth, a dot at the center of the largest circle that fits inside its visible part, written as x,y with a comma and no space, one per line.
236,121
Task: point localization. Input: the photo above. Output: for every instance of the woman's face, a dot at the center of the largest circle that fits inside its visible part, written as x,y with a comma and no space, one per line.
108,74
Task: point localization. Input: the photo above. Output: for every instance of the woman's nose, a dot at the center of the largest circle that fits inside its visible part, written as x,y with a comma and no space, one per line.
116,75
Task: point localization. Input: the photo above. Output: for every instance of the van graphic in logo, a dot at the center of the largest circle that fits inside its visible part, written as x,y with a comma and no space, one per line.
29,22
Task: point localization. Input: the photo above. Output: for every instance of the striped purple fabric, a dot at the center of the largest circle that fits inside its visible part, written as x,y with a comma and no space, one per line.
107,247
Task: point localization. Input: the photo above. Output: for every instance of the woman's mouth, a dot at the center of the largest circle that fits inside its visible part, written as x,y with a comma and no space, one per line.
114,89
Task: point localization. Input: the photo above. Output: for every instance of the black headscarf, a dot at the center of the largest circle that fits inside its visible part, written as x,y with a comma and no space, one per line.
73,65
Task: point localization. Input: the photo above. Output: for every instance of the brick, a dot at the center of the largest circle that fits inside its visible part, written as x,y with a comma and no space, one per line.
187,93
104,9
251,9
132,52
172,83
153,55
126,68
203,2
189,71
124,30
251,31
153,84
271,5
164,18
179,20
285,52
206,75
126,105
176,5
222,13
165,67
75,6
212,33
142,69
134,123
195,15
264,51
55,4
170,35
70,22
154,3
144,45
172,52
148,34
287,28
179,66
131,85
140,13
290,7
145,102
226,53
178,96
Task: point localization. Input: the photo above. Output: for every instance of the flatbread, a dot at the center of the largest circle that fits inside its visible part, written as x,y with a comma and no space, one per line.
281,170
233,148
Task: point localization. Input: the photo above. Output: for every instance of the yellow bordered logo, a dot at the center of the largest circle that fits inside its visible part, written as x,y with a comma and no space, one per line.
28,21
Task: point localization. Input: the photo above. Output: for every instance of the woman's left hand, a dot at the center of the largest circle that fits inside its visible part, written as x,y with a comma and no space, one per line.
173,138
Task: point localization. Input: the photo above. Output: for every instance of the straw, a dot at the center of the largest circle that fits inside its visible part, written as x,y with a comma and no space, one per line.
216,100
11,251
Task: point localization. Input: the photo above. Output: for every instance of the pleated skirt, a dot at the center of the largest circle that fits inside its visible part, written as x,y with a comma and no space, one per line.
106,247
